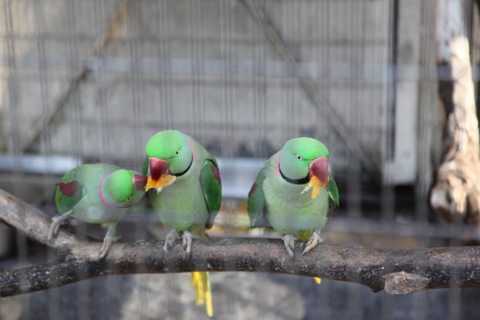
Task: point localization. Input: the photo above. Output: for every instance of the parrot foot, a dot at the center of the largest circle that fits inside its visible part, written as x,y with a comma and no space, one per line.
57,222
187,242
107,243
169,240
289,240
312,242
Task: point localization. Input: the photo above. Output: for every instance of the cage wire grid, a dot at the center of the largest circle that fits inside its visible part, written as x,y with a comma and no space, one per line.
91,81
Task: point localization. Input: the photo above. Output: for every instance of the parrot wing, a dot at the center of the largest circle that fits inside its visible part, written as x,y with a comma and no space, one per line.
212,189
256,203
69,192
333,197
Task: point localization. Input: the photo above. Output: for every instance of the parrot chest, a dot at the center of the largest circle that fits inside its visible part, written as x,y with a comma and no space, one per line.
290,211
93,211
182,204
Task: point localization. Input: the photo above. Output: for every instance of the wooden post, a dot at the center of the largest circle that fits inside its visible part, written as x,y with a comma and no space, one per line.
456,194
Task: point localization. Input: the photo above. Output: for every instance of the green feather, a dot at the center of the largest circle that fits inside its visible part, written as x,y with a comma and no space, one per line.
333,196
64,202
212,189
256,203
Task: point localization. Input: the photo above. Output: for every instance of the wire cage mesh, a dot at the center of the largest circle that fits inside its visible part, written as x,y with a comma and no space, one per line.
92,81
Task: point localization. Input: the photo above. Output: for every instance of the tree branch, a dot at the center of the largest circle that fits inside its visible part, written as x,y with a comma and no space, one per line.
456,195
396,271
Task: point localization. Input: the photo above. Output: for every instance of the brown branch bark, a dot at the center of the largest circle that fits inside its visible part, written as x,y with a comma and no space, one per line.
457,191
396,271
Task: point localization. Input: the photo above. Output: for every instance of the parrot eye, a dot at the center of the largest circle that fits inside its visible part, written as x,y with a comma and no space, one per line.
128,199
176,153
298,157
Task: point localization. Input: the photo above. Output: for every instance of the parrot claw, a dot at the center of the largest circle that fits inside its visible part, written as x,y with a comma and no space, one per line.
312,242
107,243
187,243
169,240
57,221
289,240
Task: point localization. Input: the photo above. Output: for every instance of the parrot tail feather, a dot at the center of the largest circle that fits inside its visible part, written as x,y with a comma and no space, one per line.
203,293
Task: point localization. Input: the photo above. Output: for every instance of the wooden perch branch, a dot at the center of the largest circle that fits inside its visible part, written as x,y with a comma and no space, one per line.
396,271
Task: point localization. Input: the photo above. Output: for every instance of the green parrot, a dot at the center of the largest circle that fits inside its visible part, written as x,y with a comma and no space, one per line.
185,190
294,193
97,193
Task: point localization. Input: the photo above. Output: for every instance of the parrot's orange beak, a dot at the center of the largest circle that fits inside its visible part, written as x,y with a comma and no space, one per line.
139,182
159,176
319,169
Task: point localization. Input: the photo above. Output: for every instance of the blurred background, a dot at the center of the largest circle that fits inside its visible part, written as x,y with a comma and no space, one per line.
91,81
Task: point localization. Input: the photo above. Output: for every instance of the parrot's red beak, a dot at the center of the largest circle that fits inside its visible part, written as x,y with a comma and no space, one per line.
139,182
158,168
319,169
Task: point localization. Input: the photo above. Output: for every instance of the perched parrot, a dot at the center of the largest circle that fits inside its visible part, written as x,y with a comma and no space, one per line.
185,190
97,193
294,193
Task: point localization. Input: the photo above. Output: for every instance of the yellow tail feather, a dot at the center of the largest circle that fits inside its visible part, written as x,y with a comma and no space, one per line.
203,294
317,280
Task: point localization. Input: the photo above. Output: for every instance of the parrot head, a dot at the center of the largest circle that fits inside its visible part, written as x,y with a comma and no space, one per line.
123,188
305,159
169,155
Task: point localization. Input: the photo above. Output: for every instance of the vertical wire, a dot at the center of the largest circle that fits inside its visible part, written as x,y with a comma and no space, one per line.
388,196
102,83
101,78
322,59
325,81
377,80
427,90
262,87
454,294
358,64
287,77
163,52
387,192
193,38
76,141
133,30
39,15
228,108
231,86
54,305
352,115
259,104
290,34
353,213
226,50
73,65
15,143
425,129
203,133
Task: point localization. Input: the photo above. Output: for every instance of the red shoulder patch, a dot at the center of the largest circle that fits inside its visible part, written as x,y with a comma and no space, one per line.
69,189
216,174
252,190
